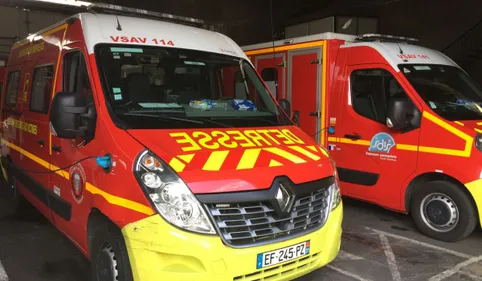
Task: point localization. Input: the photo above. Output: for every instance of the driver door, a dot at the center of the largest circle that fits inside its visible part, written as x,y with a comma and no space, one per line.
70,184
376,161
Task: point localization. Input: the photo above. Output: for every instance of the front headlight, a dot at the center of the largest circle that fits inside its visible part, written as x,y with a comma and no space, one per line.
335,195
478,141
335,189
170,195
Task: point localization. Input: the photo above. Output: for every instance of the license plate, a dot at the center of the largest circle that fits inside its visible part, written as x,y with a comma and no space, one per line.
283,255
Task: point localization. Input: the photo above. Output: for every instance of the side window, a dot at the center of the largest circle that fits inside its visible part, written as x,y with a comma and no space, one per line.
371,89
75,79
12,89
270,77
75,76
41,89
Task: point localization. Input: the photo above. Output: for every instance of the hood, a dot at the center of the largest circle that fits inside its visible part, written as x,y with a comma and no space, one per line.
236,159
470,126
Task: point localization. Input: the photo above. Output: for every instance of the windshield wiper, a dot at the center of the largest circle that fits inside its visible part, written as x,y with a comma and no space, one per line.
245,118
210,120
164,117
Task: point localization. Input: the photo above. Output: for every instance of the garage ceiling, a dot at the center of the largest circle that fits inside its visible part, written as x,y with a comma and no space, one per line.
211,10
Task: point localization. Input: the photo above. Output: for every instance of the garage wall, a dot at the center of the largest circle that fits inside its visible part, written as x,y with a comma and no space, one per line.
17,23
435,23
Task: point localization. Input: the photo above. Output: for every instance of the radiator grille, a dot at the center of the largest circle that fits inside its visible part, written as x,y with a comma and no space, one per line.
254,223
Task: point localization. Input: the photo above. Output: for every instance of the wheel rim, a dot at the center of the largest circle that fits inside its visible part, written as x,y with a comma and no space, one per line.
107,264
439,212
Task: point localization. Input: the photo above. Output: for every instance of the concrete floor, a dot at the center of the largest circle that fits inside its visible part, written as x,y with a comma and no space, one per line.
378,245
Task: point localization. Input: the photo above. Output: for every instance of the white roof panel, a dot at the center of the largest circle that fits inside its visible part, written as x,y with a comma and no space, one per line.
398,53
102,28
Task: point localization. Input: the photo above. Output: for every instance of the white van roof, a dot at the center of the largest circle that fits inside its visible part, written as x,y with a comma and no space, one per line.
410,53
102,28
399,53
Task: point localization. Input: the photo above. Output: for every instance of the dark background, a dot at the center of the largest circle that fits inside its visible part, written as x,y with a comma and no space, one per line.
454,27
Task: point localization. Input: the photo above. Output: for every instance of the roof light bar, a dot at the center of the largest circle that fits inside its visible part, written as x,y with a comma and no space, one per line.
116,9
389,38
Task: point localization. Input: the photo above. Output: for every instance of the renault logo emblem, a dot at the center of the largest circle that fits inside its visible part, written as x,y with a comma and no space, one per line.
284,199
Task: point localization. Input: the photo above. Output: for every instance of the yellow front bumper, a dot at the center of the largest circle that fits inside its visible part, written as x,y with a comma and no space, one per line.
159,251
475,189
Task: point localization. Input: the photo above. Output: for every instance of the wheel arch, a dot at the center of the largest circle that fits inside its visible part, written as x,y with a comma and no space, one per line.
96,217
428,177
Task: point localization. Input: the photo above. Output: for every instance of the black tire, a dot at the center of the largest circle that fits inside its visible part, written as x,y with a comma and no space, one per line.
109,258
11,201
450,214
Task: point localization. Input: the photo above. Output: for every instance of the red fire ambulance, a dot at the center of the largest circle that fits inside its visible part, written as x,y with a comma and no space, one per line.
156,148
403,122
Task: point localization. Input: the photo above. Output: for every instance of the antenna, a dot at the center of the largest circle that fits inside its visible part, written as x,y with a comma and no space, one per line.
119,27
400,48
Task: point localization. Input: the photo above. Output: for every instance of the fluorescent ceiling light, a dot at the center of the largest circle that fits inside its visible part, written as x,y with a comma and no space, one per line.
74,3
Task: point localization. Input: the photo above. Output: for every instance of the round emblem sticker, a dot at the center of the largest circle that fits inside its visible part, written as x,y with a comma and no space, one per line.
77,180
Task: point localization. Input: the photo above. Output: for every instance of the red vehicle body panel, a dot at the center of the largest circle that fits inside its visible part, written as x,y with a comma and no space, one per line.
303,104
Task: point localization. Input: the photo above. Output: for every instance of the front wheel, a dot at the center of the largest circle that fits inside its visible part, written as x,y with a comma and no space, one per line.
11,201
444,211
109,258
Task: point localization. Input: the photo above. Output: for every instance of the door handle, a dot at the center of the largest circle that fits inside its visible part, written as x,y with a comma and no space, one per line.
353,137
56,148
41,142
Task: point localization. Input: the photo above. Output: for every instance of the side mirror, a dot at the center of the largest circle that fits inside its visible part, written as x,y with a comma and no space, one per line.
402,114
286,106
296,117
71,116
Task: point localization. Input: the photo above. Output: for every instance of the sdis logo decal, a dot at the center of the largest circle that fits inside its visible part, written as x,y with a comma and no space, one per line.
381,142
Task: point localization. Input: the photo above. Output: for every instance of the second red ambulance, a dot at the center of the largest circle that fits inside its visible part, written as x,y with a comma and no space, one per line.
403,122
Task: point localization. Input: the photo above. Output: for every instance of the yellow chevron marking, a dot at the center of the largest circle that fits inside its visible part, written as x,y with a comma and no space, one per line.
460,123
325,152
274,163
186,158
215,160
248,160
285,154
305,152
312,147
177,165
478,130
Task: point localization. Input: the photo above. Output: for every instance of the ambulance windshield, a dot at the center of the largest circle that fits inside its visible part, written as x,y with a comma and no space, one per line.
448,90
155,87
